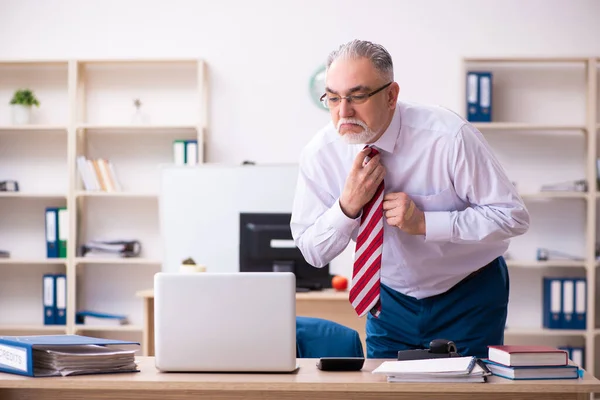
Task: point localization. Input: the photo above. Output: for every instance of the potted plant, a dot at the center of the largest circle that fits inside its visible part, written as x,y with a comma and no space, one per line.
21,104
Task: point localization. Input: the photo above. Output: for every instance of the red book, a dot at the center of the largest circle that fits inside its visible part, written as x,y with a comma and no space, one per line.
522,356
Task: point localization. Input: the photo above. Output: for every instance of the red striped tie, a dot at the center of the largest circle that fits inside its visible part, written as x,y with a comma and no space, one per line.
364,293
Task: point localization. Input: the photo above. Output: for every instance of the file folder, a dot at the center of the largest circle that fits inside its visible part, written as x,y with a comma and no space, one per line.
485,97
568,303
191,152
61,299
552,306
49,299
580,318
577,355
179,152
63,231
16,352
52,232
472,96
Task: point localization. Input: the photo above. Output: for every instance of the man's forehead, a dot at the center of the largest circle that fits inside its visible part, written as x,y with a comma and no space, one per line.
348,74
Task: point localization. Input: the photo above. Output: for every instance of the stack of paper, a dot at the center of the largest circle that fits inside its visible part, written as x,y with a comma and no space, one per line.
451,369
81,359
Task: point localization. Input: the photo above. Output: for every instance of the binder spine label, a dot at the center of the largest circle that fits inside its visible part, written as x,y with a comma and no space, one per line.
13,357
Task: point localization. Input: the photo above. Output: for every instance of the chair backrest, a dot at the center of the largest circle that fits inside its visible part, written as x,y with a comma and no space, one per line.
316,337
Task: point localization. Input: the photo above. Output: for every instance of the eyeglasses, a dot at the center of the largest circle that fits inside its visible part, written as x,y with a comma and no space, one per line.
334,101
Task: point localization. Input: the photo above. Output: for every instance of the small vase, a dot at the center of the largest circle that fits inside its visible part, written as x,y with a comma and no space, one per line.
21,115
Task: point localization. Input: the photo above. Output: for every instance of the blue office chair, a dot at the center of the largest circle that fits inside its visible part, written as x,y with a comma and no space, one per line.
316,337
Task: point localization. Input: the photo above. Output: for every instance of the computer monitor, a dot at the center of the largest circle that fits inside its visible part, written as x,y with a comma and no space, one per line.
266,245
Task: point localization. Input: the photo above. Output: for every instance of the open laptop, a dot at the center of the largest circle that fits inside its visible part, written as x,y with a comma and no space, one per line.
225,322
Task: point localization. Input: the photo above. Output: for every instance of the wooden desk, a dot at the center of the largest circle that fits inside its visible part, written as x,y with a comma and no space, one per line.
306,383
326,304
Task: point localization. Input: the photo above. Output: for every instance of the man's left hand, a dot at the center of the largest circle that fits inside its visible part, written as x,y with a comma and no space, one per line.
399,210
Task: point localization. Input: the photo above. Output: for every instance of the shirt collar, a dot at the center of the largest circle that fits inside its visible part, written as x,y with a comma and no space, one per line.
388,140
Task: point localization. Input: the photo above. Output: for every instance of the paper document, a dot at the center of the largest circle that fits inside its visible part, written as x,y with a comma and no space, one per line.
451,369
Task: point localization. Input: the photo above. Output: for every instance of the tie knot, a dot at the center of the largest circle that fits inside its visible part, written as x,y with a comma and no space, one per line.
374,150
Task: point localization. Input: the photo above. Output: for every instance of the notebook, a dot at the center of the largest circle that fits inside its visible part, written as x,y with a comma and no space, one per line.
515,355
570,371
451,369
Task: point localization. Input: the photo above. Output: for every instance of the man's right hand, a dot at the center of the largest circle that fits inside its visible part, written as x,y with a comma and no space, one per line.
362,183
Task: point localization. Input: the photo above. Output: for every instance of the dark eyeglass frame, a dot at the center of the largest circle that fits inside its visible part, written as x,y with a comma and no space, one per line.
353,98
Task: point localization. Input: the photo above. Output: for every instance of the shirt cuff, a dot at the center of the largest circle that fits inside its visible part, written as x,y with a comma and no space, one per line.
438,226
339,221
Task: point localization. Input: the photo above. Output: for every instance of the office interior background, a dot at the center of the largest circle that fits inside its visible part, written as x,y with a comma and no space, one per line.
236,76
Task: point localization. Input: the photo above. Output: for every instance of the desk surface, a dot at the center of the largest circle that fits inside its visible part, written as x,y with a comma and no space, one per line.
326,294
306,382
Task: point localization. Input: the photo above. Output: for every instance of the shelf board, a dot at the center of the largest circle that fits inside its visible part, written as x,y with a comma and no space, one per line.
544,264
554,195
118,261
125,195
132,128
544,332
32,128
522,126
33,328
524,59
33,195
33,261
116,328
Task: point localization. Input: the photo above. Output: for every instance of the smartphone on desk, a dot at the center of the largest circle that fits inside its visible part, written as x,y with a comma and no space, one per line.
340,363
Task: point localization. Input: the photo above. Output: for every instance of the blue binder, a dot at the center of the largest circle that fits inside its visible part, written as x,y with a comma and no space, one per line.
16,352
552,303
52,245
60,288
568,303
472,95
580,317
49,299
485,96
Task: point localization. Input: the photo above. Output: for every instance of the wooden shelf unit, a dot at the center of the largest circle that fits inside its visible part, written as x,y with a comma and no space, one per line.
522,104
86,108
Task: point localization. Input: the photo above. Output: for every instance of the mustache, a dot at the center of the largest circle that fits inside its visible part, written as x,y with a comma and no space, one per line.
351,121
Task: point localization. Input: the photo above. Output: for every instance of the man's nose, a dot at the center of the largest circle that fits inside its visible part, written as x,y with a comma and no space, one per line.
346,110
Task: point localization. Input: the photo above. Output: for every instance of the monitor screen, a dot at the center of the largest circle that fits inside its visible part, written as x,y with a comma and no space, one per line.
266,245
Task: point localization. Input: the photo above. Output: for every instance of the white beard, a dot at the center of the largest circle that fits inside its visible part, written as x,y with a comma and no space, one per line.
356,138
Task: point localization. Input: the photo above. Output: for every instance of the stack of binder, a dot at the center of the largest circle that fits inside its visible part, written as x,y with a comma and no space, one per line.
54,294
185,152
57,232
479,96
63,355
565,303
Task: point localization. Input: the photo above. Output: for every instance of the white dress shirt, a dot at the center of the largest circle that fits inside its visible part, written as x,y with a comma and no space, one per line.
446,167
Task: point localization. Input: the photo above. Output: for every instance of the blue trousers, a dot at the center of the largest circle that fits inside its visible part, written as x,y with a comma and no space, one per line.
472,314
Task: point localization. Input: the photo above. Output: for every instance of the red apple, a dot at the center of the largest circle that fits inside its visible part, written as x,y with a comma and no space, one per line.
339,282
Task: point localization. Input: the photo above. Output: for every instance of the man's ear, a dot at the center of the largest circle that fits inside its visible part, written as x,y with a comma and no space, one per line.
393,95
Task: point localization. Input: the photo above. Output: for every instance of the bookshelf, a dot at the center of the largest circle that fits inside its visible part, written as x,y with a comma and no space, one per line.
87,109
545,122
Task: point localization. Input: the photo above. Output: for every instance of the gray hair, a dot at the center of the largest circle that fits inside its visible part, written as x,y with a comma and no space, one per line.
378,55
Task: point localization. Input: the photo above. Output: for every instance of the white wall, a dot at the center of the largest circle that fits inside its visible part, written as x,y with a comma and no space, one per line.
261,53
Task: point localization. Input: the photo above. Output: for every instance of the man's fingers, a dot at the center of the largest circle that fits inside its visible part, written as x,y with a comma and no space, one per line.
373,163
360,158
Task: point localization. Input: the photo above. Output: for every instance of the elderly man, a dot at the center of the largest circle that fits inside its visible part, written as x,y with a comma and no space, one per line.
426,201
